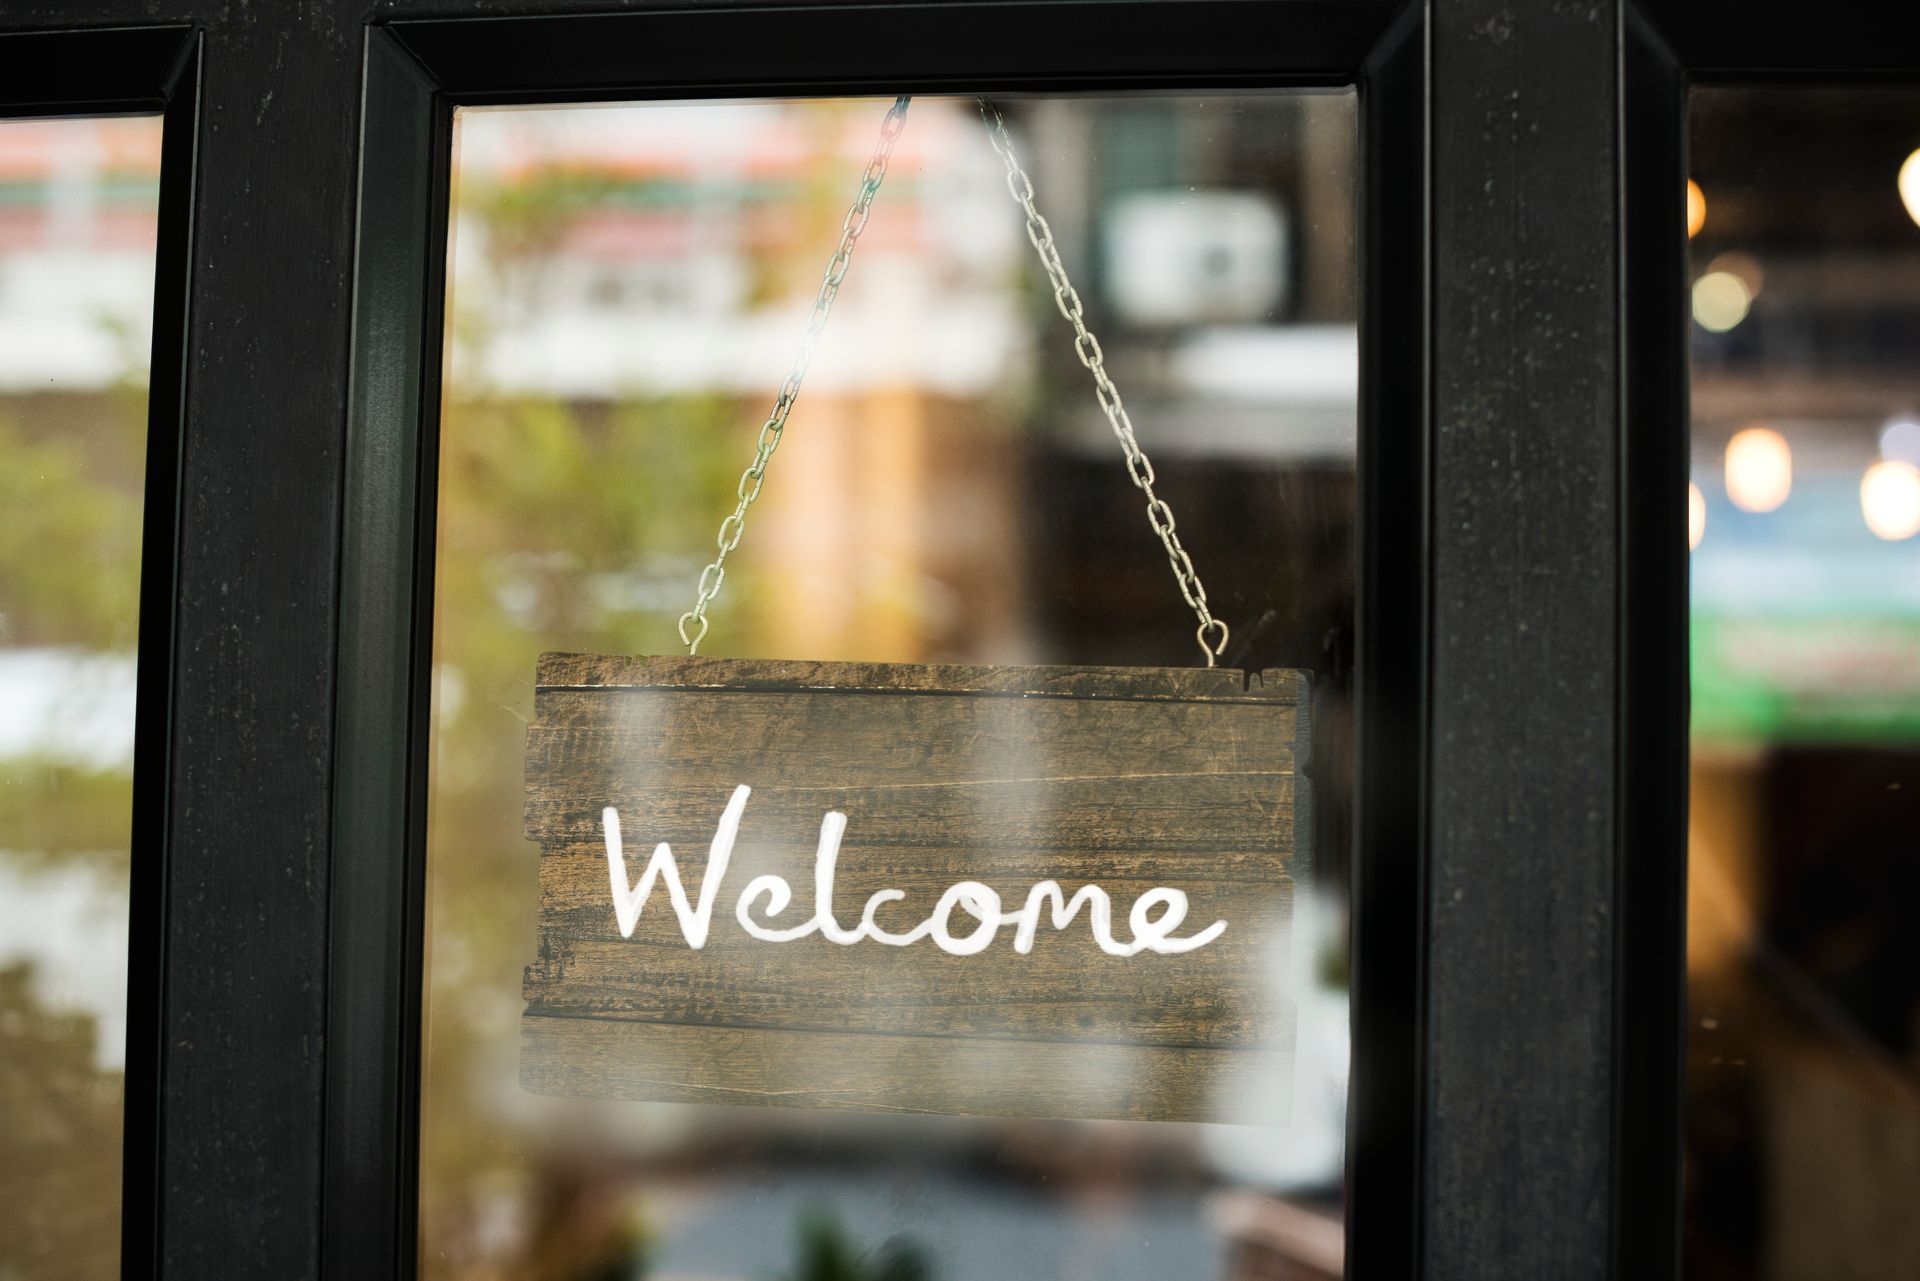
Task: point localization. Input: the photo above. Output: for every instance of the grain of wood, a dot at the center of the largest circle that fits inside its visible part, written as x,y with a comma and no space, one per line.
908,1074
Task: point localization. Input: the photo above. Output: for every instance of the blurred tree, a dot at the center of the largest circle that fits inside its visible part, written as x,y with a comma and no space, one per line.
562,525
72,469
52,812
59,1145
72,473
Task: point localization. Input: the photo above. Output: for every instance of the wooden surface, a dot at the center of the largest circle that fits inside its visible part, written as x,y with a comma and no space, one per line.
1125,778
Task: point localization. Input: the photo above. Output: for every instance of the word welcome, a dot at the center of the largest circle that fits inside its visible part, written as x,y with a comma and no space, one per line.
1151,933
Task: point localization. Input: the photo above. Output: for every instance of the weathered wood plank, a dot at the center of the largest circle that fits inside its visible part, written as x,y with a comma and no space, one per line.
1130,782
927,741
1172,815
912,1074
670,671
1228,994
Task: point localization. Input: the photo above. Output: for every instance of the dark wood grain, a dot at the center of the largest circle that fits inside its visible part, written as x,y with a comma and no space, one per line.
1122,778
672,671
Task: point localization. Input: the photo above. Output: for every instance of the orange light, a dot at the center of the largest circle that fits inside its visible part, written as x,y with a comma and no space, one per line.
1910,185
1696,209
1696,516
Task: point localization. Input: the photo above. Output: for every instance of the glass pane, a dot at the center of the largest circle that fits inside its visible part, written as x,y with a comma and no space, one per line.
629,286
77,216
1803,950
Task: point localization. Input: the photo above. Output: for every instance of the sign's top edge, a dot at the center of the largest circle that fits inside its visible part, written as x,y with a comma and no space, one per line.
590,671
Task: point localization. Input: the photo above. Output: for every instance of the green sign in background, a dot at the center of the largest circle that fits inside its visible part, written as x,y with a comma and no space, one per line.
1815,678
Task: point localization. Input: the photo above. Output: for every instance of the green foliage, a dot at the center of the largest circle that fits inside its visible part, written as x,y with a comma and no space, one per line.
562,526
52,812
72,469
60,1143
828,1253
70,543
71,475
525,219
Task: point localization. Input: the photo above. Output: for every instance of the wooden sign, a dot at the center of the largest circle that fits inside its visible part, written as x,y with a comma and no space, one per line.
1036,891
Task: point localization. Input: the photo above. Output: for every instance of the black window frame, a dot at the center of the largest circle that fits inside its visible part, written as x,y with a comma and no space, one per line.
1668,48
1515,1098
418,72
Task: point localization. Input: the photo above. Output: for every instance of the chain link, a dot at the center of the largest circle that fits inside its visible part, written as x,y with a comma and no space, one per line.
755,476
1087,348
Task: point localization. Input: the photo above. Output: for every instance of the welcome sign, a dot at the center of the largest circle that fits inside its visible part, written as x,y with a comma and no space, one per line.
1036,891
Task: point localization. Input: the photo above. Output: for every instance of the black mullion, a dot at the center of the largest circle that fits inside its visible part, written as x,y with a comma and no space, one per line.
245,1030
1522,707
1751,41
1384,1122
381,712
1651,890
141,1204
931,47
105,71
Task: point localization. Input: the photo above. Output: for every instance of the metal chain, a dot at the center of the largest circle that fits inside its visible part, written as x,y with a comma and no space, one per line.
1087,348
771,430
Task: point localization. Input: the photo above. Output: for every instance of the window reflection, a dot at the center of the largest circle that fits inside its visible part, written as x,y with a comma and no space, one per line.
627,288
1803,953
77,220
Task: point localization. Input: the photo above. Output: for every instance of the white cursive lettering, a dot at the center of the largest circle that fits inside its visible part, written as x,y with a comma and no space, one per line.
1151,932
693,921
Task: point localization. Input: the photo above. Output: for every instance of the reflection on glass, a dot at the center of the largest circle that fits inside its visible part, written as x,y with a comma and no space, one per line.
1803,950
77,217
628,284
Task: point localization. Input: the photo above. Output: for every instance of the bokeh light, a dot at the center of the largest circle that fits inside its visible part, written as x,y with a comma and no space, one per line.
1720,301
1759,469
1910,185
1900,438
1890,499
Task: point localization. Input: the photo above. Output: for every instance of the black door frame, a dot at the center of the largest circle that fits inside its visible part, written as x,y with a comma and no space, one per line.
418,71
1666,48
1519,871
